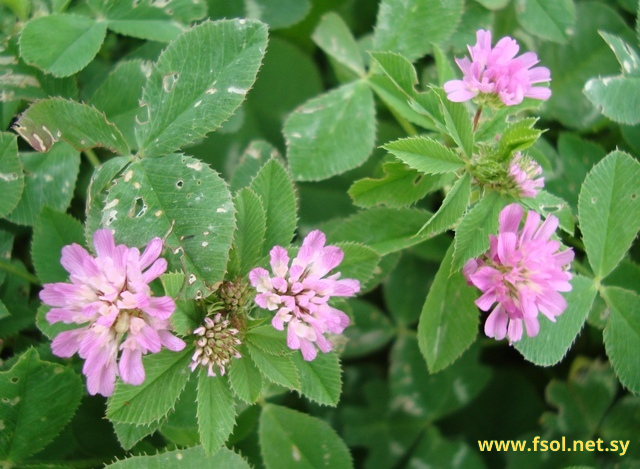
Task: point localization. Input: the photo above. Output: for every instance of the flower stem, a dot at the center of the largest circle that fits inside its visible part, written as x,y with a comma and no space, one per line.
23,274
404,123
92,157
476,118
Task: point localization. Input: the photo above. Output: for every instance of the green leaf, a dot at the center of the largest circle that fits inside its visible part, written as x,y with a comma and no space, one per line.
167,373
216,411
622,335
143,19
399,69
453,207
52,231
370,331
198,82
332,133
554,340
181,458
614,96
30,417
407,287
129,434
411,27
6,246
582,400
81,126
425,155
629,60
245,378
433,450
472,234
101,181
249,235
181,425
622,421
150,200
443,336
278,369
49,182
277,13
119,94
384,230
61,44
400,187
4,312
333,36
290,439
172,283
359,261
517,137
11,177
609,211
451,388
458,123
548,204
254,157
268,339
553,20
274,187
320,378
584,57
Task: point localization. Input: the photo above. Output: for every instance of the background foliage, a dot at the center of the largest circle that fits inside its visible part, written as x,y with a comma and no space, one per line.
291,115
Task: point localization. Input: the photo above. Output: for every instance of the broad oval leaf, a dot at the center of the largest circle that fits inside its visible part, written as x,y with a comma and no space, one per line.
425,155
61,44
30,417
449,320
11,177
609,211
333,36
81,126
613,96
290,439
554,339
195,456
553,20
332,133
622,335
150,200
320,378
198,82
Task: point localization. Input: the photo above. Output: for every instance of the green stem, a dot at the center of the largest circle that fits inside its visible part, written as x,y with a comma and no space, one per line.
93,159
476,118
23,274
404,123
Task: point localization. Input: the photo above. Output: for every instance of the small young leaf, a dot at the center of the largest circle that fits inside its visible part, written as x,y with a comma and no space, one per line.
458,123
254,157
290,439
274,187
49,182
195,456
411,27
11,177
425,155
554,340
453,207
333,36
278,369
245,378
449,320
216,411
400,187
622,335
198,82
517,137
61,44
172,283
81,126
249,235
30,417
53,231
167,373
320,378
609,211
472,234
332,133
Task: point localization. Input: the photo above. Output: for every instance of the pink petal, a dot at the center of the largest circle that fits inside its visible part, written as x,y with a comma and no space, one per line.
496,324
151,253
160,307
104,243
279,261
130,366
510,217
67,343
156,270
73,258
171,342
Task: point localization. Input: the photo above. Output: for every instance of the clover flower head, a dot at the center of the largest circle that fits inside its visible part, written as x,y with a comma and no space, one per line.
215,345
109,296
524,172
523,272
299,293
497,72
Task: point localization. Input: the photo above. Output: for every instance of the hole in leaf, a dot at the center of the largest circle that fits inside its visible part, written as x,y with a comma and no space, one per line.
139,208
15,379
179,184
169,81
417,180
